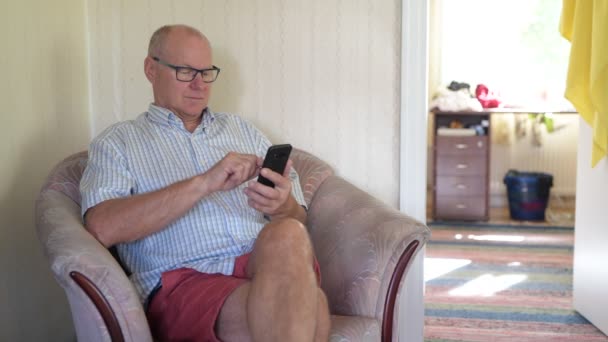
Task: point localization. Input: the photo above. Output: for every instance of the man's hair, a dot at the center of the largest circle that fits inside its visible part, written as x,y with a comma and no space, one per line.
159,37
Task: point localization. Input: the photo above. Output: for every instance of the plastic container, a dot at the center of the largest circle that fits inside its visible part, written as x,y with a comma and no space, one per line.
528,194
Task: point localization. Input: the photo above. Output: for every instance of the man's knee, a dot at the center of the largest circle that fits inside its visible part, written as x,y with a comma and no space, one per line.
283,246
286,234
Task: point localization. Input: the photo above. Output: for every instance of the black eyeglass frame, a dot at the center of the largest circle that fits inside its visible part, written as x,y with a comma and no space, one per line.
197,71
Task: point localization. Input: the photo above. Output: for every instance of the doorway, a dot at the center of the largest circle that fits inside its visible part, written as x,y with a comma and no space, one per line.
521,60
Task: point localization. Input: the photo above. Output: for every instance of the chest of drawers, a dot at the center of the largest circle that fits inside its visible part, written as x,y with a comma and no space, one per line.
461,170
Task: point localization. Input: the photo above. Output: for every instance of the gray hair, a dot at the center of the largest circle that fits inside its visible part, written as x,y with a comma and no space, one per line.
159,37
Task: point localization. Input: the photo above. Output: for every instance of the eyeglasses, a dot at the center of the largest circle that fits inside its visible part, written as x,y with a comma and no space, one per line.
188,74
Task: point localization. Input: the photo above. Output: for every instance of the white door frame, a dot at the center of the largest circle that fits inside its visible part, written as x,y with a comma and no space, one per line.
413,153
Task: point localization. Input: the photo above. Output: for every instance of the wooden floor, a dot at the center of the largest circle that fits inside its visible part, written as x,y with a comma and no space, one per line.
560,213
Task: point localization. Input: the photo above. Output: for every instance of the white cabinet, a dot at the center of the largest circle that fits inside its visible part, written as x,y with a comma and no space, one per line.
591,235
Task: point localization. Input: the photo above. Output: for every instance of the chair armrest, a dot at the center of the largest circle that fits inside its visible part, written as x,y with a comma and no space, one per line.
312,171
105,305
359,242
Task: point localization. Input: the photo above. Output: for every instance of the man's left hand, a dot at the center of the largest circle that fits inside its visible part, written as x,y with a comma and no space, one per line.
277,201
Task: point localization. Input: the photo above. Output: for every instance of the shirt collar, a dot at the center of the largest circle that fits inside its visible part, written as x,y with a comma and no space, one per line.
166,117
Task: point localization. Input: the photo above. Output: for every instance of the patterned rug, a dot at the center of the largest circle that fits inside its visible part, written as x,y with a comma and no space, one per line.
501,283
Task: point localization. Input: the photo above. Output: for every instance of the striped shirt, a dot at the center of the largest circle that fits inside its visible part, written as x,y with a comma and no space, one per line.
155,151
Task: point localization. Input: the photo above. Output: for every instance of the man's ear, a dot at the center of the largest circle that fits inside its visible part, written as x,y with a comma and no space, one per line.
150,69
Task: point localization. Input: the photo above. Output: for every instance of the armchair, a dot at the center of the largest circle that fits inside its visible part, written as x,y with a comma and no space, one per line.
364,247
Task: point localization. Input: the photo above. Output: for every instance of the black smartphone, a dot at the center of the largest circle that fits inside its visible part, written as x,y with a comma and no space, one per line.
276,160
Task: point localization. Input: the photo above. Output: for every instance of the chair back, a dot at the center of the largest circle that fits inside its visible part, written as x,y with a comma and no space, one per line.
65,177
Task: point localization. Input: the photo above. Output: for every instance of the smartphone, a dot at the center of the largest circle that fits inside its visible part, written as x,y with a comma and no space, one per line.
276,160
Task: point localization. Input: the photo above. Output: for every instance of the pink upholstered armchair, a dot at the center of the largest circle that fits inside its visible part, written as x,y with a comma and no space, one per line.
364,247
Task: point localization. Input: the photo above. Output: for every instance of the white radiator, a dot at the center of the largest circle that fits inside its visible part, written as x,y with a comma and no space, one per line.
556,154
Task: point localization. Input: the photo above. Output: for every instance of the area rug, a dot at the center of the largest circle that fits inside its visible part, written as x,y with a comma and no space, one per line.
501,283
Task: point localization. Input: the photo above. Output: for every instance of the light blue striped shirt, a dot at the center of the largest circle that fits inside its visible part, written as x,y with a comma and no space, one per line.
155,151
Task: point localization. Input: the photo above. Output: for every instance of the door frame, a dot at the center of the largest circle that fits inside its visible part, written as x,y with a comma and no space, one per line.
413,154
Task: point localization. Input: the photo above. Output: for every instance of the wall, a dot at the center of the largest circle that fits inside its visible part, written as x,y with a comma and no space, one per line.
590,286
322,75
45,117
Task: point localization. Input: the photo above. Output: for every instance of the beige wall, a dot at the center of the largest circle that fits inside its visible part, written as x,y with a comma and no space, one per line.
45,116
320,74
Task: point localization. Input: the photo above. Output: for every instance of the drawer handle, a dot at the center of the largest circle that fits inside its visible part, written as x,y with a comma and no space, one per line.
461,146
461,186
461,206
461,166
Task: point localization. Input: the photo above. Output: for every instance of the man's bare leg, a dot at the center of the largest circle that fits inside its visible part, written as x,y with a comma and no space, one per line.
232,323
323,321
283,301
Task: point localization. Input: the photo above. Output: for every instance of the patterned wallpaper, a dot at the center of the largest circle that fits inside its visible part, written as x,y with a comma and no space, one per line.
322,75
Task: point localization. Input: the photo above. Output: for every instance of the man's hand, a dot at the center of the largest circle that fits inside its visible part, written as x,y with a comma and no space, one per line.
277,201
230,172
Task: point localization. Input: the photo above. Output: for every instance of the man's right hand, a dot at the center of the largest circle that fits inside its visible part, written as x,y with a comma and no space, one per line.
231,171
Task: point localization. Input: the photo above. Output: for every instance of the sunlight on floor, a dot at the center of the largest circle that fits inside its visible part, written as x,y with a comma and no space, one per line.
487,285
498,238
436,267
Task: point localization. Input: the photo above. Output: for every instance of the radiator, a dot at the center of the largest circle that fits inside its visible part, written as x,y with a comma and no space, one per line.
515,146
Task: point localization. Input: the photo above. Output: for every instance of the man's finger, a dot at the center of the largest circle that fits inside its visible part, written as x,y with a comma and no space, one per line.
275,177
263,190
258,199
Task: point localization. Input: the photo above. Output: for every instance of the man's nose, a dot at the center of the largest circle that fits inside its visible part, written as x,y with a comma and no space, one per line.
198,82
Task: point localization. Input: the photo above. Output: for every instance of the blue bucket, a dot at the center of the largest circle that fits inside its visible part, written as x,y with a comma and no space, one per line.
528,194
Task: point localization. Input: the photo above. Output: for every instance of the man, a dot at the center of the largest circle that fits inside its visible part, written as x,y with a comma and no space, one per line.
174,190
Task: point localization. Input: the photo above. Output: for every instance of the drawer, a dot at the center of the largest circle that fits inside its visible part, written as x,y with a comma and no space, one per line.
463,146
461,208
460,186
462,166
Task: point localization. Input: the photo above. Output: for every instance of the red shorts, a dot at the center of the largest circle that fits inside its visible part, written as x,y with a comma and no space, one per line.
188,304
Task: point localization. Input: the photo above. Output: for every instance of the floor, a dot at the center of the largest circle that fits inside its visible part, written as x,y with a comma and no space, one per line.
501,283
560,213
515,246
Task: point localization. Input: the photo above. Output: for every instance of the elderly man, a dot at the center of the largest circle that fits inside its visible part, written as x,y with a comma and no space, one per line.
214,254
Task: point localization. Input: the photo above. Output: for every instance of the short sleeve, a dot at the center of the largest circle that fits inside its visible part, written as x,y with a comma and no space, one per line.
106,175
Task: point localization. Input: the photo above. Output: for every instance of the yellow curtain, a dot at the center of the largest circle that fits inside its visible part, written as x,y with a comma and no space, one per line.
585,24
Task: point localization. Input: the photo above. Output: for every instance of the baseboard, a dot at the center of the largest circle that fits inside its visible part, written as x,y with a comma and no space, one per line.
500,199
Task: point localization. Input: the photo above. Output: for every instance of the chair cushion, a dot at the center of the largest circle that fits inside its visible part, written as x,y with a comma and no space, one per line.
354,329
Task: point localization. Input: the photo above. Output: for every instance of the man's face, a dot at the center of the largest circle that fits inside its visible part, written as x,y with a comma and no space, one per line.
186,99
